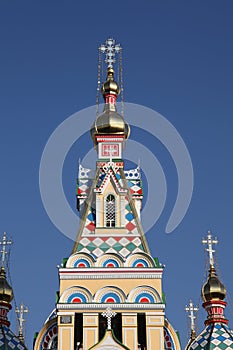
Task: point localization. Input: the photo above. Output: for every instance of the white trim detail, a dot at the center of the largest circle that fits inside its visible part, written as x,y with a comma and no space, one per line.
115,306
91,276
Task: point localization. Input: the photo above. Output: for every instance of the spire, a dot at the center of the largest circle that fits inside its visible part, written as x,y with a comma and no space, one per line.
6,292
213,291
20,312
216,334
191,311
4,243
110,122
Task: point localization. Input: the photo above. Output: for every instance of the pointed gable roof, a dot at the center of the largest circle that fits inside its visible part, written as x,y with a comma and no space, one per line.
109,342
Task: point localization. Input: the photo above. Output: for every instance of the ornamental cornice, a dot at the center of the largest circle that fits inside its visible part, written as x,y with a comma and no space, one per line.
85,273
113,306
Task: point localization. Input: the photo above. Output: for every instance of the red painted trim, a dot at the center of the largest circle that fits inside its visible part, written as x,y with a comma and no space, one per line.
214,302
216,320
109,271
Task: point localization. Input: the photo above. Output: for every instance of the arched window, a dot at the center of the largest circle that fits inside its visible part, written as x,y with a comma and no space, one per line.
110,211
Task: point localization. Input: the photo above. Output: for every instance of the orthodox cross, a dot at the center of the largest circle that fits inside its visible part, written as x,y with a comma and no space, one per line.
209,241
109,314
4,244
110,49
191,309
21,311
111,152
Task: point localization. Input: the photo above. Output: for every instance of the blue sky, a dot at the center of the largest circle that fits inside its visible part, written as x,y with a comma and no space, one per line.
177,60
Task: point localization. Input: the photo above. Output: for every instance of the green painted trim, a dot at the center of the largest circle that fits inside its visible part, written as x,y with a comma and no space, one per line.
163,298
64,261
114,338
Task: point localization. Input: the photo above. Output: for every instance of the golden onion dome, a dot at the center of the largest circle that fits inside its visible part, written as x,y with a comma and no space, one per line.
6,292
213,289
110,86
110,122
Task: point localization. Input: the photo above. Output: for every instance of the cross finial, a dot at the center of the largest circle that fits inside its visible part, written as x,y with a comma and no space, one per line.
20,312
109,314
209,241
191,310
3,251
111,152
110,50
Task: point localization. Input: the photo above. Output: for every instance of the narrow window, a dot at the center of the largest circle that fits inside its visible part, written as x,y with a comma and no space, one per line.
110,211
141,320
78,332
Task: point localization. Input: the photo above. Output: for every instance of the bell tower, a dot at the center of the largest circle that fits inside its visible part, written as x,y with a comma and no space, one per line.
110,286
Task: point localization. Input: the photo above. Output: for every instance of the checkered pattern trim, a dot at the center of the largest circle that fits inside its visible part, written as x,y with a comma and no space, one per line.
8,340
134,182
98,246
90,222
84,181
217,337
130,223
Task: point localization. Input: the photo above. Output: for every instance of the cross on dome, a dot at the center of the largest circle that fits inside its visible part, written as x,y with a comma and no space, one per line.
21,311
109,314
191,310
209,241
111,151
3,251
110,49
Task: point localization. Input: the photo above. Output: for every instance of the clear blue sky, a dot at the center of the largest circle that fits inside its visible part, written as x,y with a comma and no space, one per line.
178,61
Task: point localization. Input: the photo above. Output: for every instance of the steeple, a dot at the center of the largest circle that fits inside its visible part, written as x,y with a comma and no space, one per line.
217,333
191,312
20,316
6,292
110,122
8,339
110,271
213,291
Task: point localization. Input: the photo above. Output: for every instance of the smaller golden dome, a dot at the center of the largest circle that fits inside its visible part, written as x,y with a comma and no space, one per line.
110,86
6,292
213,289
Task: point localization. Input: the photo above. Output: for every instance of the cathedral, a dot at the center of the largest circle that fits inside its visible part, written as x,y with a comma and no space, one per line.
111,294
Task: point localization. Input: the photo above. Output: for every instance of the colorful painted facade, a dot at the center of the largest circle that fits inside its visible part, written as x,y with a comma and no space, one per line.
110,265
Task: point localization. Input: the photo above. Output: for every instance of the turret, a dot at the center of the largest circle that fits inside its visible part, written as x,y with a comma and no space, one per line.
217,334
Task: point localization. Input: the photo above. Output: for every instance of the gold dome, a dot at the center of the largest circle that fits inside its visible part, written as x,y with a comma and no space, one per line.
213,289
110,86
110,122
6,292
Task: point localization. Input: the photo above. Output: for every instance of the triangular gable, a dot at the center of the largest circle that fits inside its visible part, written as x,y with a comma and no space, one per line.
110,175
108,342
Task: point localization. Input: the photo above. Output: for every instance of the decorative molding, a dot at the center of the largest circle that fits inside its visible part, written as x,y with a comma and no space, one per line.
115,306
109,276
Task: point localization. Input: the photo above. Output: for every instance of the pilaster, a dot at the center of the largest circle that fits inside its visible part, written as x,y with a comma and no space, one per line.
90,329
129,330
